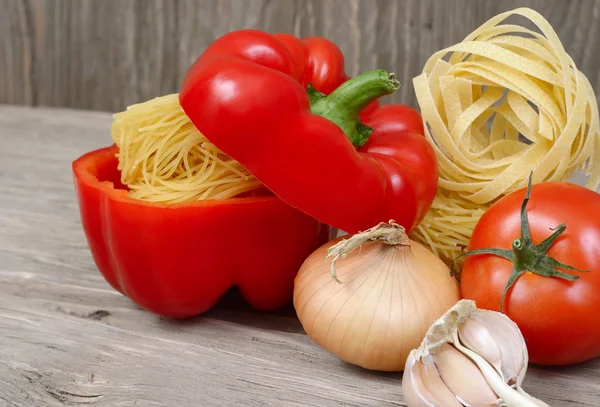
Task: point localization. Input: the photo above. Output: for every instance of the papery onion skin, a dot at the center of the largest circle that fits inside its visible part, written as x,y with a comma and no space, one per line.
389,297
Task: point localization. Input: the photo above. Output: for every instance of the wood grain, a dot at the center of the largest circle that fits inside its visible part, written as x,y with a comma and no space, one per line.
67,338
105,55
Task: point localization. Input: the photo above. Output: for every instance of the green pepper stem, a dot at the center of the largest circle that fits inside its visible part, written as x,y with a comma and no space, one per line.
344,104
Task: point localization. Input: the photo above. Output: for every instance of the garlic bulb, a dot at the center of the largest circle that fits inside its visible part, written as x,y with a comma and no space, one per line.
469,357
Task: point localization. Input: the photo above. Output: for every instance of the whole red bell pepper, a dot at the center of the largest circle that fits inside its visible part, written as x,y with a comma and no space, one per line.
285,109
177,260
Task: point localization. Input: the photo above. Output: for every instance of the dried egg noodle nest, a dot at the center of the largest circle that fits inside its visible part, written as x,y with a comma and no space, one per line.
508,101
164,158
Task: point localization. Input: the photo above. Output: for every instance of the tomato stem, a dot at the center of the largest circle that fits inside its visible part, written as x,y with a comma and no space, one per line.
344,104
527,256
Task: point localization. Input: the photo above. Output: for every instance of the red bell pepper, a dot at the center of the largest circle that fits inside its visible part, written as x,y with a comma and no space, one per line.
177,260
285,109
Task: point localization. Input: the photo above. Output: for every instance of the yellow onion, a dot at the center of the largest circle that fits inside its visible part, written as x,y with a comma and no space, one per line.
369,299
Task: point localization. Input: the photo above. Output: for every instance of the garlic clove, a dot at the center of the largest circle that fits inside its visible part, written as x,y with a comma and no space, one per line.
436,386
413,388
509,396
511,342
423,387
475,336
464,378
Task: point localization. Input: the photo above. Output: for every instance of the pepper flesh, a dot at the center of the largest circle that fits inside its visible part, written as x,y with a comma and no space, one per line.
247,93
177,260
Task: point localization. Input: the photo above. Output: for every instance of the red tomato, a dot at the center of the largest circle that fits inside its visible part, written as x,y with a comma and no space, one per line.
559,319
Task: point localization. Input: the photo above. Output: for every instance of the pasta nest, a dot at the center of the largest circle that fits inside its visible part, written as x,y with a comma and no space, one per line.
505,102
164,158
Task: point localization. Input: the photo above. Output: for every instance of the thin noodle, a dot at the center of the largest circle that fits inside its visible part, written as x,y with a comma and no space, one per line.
164,158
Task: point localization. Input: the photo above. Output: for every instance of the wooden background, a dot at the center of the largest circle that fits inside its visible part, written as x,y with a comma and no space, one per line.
106,54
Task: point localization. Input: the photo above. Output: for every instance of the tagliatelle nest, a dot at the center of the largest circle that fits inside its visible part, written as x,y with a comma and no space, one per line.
506,102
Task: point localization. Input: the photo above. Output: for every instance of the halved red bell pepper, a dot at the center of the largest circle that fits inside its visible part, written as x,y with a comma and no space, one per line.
285,109
177,260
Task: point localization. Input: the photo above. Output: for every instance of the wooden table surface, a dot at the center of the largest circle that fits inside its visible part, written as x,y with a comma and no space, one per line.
67,338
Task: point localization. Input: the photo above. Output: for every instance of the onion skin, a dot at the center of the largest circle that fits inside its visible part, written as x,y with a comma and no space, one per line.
389,297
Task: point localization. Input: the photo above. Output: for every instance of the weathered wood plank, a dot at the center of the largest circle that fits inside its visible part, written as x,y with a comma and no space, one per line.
67,338
105,55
